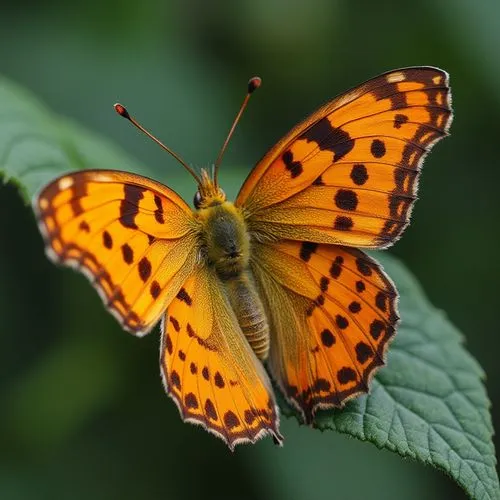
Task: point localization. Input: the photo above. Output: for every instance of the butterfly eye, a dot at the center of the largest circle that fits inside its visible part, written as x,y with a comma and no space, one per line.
197,199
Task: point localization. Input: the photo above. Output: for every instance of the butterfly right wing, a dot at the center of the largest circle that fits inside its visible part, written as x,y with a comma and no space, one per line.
210,370
134,238
332,313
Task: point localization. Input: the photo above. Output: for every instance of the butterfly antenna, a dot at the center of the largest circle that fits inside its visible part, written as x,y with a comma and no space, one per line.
253,84
122,111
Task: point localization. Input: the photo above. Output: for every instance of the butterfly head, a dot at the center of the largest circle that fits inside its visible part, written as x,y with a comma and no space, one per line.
209,193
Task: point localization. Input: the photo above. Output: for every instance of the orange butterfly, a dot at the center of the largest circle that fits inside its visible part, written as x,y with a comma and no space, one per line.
273,277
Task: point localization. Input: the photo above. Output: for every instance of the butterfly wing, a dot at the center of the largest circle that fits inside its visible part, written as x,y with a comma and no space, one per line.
134,238
349,173
332,312
209,369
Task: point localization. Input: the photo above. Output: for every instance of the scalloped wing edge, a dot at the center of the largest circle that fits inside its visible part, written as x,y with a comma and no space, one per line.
273,433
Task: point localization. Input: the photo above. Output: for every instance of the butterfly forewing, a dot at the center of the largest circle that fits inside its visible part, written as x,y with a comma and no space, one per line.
348,174
134,238
210,370
332,311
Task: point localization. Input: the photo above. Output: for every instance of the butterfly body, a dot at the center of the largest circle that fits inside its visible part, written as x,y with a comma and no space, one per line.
278,276
225,246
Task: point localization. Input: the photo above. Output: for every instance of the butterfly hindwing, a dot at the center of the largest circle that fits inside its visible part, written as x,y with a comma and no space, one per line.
210,370
332,312
348,174
134,239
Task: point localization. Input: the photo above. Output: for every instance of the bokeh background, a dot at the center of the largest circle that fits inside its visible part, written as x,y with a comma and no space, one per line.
83,413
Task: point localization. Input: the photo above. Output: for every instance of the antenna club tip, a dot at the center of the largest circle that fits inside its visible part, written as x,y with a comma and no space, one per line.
254,83
121,110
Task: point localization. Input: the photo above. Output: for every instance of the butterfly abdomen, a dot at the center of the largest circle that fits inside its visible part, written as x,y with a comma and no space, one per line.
249,310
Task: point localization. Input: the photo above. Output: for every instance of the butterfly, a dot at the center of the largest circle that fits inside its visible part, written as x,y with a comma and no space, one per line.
274,285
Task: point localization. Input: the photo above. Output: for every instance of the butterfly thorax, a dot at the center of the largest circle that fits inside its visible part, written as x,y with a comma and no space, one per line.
225,240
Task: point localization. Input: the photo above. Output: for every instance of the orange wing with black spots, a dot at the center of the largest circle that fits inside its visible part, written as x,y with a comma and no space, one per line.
349,173
210,370
134,238
332,312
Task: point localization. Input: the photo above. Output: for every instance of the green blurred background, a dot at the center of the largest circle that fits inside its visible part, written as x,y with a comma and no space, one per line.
83,413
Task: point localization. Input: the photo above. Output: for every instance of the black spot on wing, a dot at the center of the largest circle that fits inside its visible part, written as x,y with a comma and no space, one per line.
191,401
343,223
363,267
400,119
363,352
175,379
355,307
159,210
107,241
327,338
155,289
294,167
168,343
129,206
307,249
183,296
231,420
336,267
341,322
346,199
377,148
329,138
219,380
175,323
359,174
380,301
144,269
376,328
210,409
127,253
323,283
346,375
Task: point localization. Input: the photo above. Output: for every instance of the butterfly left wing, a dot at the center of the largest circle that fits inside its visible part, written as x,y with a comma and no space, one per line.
209,369
134,238
332,312
349,173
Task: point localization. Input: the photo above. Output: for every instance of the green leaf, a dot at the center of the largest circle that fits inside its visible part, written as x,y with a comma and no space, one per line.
429,403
